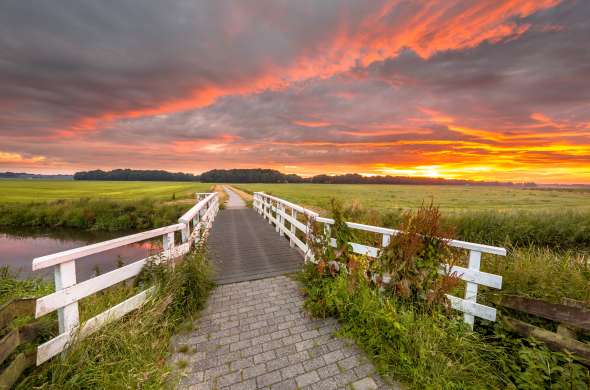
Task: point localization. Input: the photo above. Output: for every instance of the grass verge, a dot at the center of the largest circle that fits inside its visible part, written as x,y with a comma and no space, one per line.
432,349
132,352
90,214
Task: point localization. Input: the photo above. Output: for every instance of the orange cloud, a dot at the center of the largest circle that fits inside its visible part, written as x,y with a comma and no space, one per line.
437,26
17,158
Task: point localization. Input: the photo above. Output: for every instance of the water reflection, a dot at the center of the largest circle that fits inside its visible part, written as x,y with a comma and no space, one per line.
18,248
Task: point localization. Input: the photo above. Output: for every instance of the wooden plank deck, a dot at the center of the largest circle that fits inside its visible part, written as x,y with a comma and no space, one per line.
243,246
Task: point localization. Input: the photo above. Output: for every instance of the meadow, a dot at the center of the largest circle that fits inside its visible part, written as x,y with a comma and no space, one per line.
94,205
22,191
386,198
556,218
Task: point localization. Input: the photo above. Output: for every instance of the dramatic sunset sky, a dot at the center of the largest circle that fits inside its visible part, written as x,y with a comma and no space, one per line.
456,89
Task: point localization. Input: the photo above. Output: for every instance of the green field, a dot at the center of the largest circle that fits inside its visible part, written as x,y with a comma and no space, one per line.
39,190
386,198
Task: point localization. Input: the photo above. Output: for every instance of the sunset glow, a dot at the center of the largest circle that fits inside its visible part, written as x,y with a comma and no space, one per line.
456,89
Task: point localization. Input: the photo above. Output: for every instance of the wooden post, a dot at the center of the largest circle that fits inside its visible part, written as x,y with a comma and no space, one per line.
471,288
186,232
168,245
65,276
293,228
385,241
279,219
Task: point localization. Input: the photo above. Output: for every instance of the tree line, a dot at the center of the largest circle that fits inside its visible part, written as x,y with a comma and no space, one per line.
259,175
135,175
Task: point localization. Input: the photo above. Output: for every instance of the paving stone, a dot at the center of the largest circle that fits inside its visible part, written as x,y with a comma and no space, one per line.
365,384
245,385
229,379
288,384
292,371
254,371
307,379
268,378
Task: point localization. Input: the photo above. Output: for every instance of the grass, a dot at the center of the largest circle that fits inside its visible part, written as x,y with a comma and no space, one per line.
132,352
12,287
428,349
391,198
488,215
426,346
24,191
542,273
91,214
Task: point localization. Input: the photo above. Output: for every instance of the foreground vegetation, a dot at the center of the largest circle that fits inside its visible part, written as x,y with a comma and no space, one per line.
130,353
407,328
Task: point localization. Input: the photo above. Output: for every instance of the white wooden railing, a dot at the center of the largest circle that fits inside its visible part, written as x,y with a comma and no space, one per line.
193,225
277,211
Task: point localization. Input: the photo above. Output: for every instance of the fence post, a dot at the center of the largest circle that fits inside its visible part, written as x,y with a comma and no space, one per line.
293,228
385,241
64,276
471,288
269,211
168,245
279,218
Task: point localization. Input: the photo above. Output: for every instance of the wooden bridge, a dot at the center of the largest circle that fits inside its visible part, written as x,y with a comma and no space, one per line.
244,247
254,332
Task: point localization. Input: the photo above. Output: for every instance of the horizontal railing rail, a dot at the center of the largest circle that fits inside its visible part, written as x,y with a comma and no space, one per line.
278,211
193,225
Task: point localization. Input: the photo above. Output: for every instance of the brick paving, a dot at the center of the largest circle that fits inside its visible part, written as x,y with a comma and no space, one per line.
256,335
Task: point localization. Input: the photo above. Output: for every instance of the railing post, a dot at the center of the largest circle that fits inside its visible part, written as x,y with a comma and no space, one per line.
269,211
293,228
168,245
471,288
186,232
385,241
278,218
65,276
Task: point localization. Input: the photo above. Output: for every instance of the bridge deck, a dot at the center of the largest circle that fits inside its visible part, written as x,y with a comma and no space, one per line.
243,246
255,334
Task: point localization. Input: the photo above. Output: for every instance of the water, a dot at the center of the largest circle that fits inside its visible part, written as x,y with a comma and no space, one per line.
19,248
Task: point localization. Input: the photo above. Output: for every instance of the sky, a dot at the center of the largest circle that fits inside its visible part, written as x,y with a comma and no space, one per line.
483,90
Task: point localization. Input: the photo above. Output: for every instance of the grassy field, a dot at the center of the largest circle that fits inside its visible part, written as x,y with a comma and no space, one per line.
12,191
387,198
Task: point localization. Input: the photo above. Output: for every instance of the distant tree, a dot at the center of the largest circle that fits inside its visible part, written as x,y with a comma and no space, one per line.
135,175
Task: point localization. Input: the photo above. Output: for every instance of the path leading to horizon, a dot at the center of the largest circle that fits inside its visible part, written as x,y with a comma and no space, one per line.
243,246
254,332
234,201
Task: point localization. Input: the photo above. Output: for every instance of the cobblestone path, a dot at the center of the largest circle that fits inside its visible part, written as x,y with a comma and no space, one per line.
256,335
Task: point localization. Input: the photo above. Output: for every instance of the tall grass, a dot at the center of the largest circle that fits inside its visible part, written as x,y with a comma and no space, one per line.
12,287
422,349
542,273
567,229
131,353
90,214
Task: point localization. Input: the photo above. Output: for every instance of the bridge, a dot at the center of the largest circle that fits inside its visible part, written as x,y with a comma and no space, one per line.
254,333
